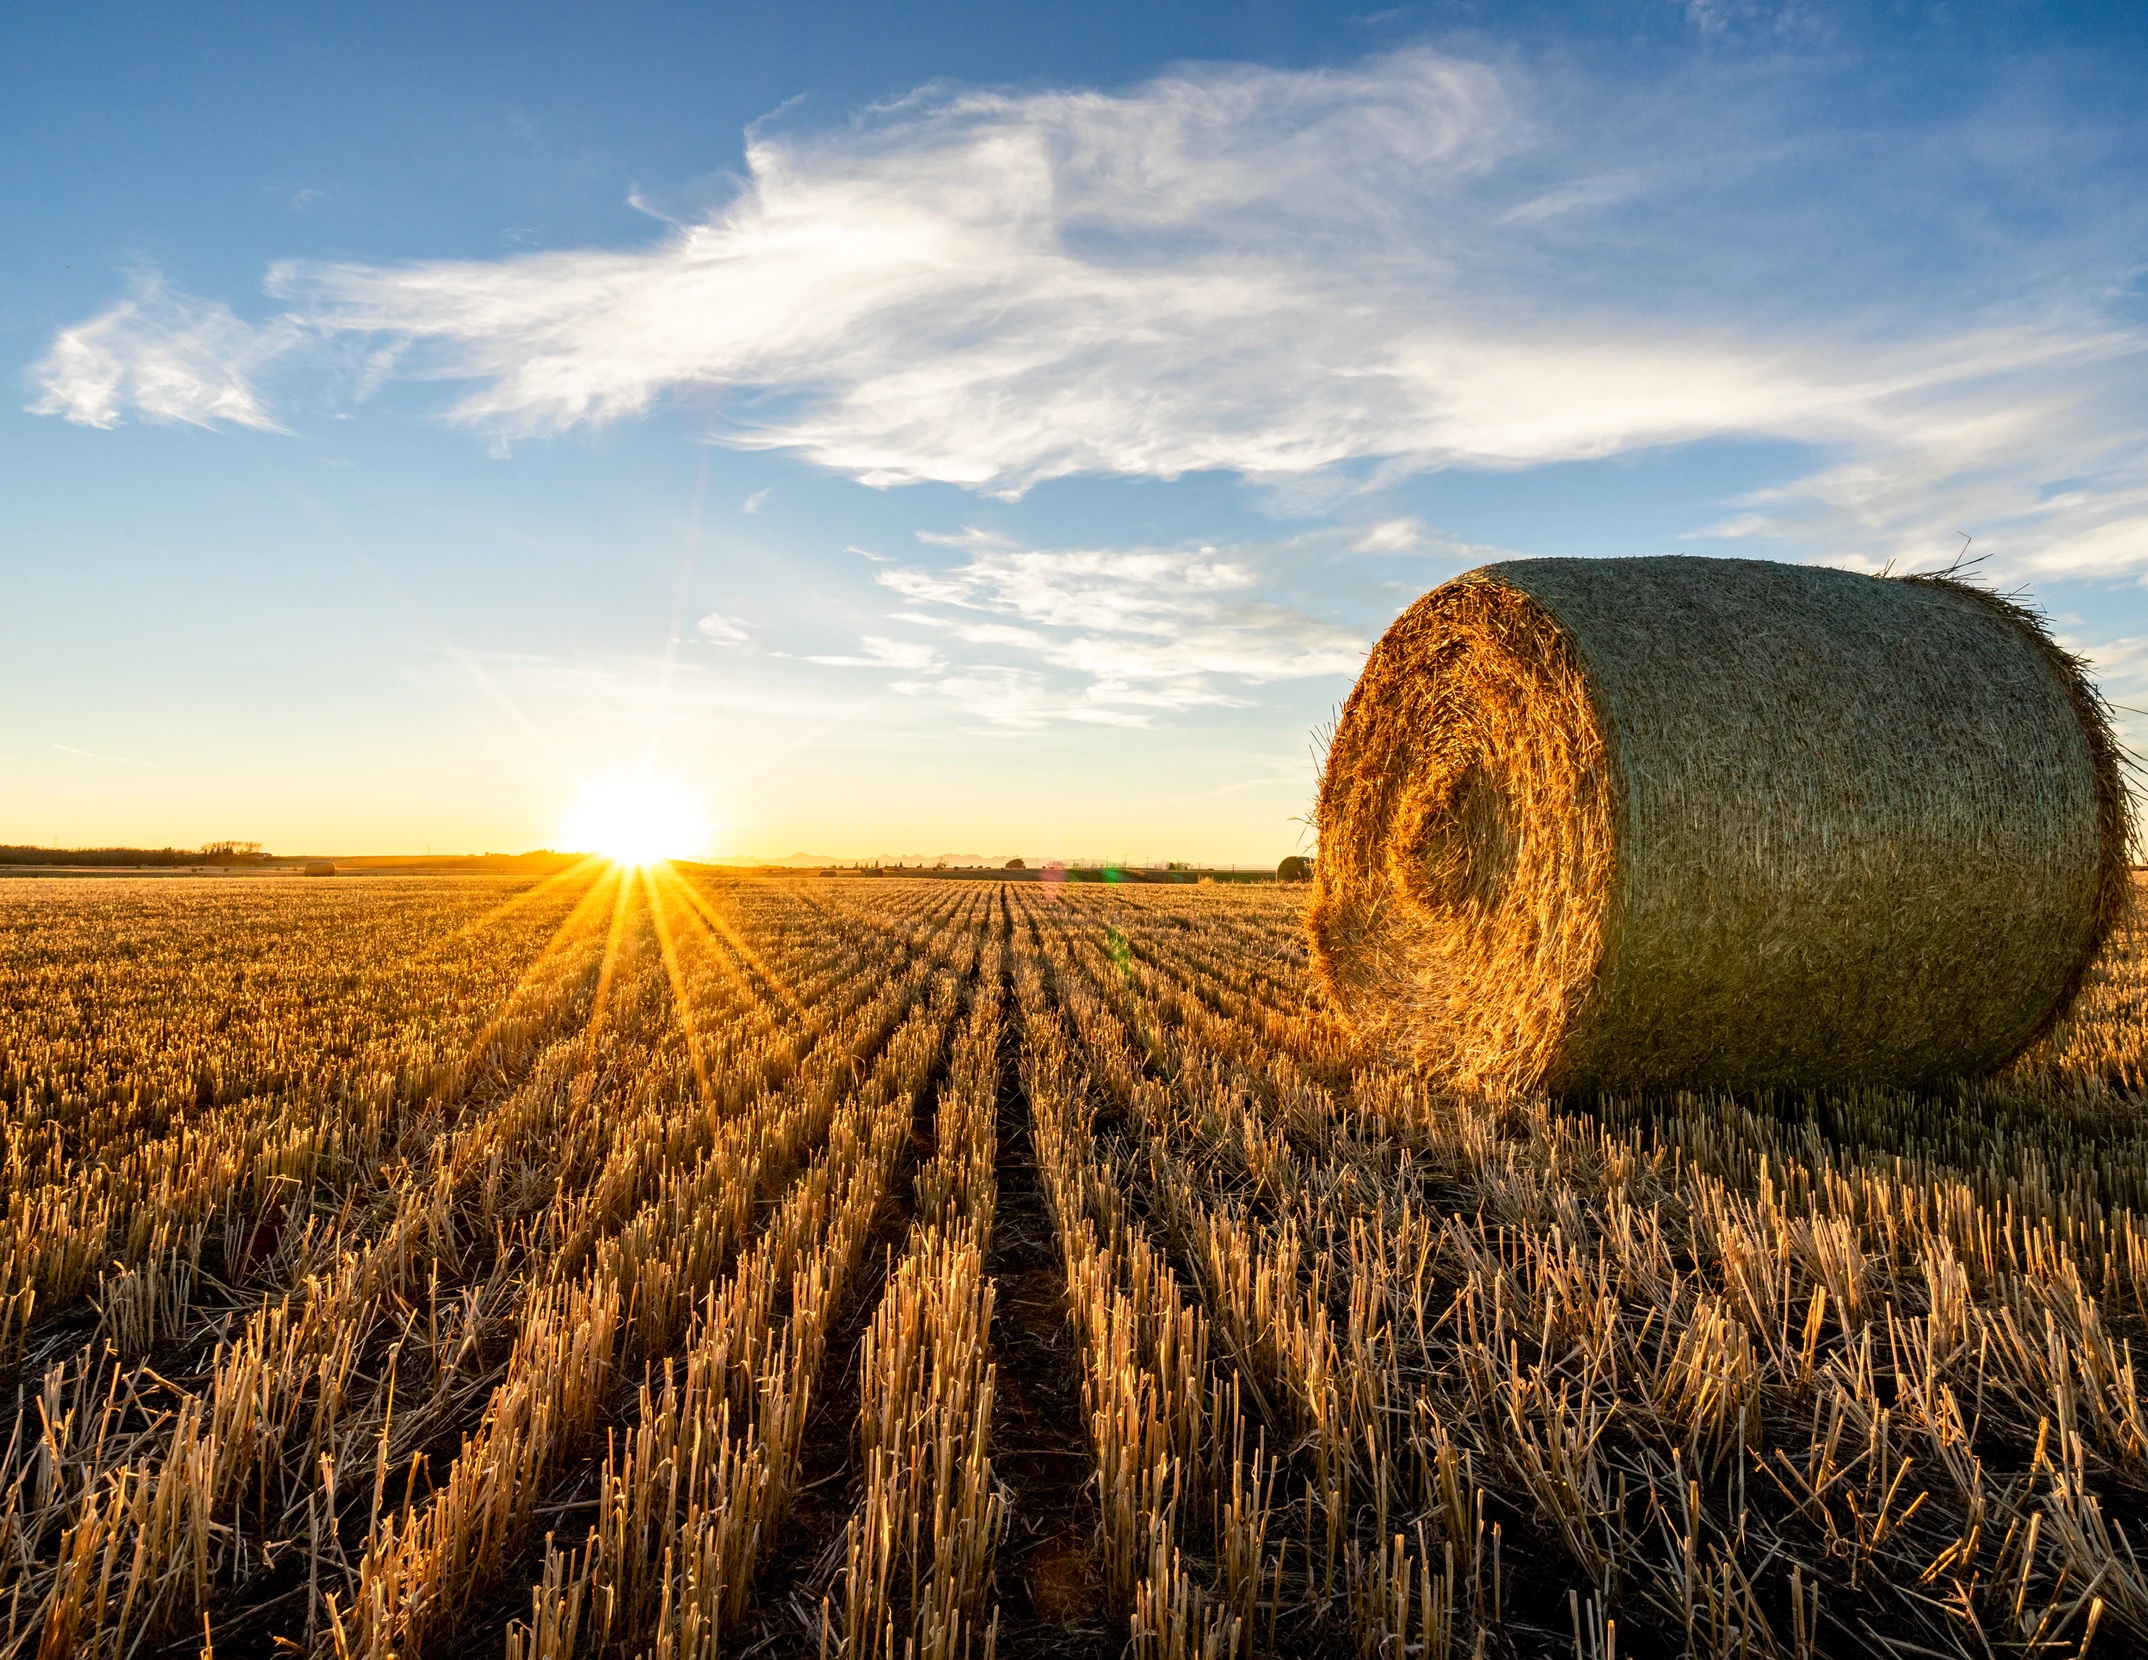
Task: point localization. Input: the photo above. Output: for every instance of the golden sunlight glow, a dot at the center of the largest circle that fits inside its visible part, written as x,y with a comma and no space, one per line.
635,819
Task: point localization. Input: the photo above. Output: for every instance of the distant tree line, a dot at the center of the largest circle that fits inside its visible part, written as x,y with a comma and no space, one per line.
215,853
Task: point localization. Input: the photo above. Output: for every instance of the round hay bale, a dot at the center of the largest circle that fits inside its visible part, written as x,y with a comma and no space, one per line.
1713,823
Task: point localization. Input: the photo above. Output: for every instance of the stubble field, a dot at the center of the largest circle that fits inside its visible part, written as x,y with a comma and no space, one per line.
661,1263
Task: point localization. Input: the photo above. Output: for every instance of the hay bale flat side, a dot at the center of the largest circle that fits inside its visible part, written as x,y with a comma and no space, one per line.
1609,824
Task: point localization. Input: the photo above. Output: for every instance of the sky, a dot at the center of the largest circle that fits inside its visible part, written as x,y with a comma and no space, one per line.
989,429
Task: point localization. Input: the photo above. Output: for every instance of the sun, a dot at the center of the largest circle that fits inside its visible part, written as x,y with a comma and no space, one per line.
639,818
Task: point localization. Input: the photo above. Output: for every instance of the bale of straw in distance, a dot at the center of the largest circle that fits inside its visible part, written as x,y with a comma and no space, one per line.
1601,824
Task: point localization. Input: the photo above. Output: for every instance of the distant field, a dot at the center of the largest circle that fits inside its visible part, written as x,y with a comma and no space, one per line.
682,1265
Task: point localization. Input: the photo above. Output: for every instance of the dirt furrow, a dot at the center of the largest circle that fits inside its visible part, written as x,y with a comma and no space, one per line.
1050,1583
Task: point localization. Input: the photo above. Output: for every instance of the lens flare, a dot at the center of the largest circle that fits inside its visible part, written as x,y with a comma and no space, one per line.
636,819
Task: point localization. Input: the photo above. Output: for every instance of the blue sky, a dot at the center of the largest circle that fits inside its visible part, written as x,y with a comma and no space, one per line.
994,429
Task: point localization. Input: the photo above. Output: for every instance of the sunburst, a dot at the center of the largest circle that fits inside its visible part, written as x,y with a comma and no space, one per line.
640,818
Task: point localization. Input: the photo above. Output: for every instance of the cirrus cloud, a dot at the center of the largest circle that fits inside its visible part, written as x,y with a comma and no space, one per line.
1417,262
1025,637
164,356
721,630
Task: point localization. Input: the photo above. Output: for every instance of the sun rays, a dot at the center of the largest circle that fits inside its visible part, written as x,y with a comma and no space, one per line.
623,907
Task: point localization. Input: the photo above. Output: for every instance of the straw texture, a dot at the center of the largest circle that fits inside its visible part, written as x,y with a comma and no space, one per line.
1641,823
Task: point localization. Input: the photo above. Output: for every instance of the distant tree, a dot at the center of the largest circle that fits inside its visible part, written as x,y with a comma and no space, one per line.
1016,864
1296,868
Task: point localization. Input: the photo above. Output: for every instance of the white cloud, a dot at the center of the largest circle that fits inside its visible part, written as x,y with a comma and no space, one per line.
2047,468
1249,269
725,631
1390,536
1113,634
752,503
1789,20
878,652
1017,699
1575,197
1413,536
1255,270
1278,273
164,356
99,755
1114,591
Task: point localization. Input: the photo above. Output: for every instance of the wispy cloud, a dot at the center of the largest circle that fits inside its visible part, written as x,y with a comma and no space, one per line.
1016,699
2048,464
163,356
114,760
1391,536
721,630
956,288
1025,637
878,652
1574,197
1149,614
1417,262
